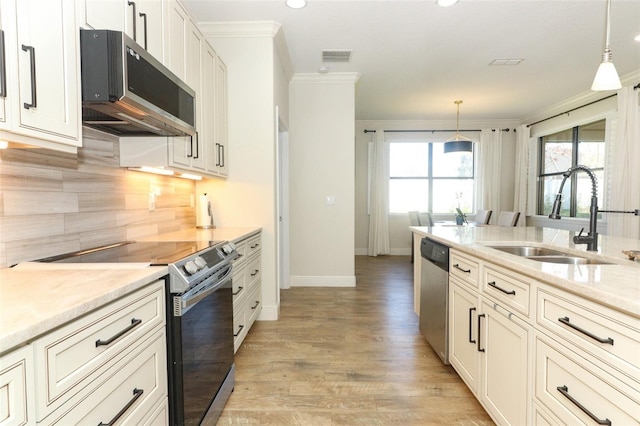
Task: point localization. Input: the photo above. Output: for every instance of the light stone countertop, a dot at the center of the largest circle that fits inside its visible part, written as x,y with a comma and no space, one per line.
615,285
205,235
34,302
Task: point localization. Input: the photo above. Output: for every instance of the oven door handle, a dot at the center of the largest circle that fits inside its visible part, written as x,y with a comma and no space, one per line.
191,300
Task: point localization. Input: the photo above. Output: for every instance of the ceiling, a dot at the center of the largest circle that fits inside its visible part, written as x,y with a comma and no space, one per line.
416,58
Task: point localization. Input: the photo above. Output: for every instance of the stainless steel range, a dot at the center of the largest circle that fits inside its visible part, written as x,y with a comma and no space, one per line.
199,320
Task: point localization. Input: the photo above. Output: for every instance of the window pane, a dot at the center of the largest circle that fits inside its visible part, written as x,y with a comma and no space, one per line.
551,185
408,194
408,159
591,145
451,193
557,151
584,191
452,164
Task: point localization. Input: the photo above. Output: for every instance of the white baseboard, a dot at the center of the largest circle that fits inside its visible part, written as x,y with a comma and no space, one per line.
269,313
394,252
322,281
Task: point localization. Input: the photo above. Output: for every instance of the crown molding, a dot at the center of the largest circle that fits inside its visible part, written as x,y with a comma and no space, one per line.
240,29
316,78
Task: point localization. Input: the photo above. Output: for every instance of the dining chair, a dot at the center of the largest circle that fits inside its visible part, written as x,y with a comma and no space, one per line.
425,219
508,218
483,216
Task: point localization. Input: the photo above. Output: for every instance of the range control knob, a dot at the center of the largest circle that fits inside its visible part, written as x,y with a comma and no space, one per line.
191,267
228,248
200,262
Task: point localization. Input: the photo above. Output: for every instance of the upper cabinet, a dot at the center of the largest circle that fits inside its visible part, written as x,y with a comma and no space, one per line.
221,140
42,73
142,20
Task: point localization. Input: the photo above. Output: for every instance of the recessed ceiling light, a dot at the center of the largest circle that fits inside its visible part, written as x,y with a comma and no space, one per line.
323,70
296,4
446,3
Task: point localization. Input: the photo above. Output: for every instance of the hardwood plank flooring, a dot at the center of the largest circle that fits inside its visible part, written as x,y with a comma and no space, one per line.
348,356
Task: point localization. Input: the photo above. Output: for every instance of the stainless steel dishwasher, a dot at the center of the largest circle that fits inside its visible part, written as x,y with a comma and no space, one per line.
434,296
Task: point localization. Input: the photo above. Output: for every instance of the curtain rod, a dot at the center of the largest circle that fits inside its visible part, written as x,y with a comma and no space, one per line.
571,110
434,131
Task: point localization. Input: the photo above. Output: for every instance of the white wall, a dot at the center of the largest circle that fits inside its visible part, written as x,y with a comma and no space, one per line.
399,235
246,197
322,113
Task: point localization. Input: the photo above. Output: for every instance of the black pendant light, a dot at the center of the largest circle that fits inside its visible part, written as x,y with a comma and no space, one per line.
458,143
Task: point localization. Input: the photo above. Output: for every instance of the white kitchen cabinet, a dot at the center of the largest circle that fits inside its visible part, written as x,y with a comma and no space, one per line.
464,306
247,289
16,388
505,364
43,70
175,30
142,20
221,126
84,365
3,73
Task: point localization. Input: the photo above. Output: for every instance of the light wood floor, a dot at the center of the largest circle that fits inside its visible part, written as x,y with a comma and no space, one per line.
348,356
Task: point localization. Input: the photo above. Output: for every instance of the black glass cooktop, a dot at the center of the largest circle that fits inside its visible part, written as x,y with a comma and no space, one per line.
155,253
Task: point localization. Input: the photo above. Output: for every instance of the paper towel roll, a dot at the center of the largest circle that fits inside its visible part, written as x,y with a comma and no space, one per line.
204,216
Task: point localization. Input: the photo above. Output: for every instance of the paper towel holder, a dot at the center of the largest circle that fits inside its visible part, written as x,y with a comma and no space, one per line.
205,219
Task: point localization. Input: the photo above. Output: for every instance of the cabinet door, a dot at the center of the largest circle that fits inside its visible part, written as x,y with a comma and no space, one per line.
176,46
48,68
463,334
150,26
114,15
505,364
208,128
193,78
222,157
3,71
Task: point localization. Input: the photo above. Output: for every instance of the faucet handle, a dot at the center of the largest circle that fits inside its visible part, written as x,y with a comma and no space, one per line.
580,233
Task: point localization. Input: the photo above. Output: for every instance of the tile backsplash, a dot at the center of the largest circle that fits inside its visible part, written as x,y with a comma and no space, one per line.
53,202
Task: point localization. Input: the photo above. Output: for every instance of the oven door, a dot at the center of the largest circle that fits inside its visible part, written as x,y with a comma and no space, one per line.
200,351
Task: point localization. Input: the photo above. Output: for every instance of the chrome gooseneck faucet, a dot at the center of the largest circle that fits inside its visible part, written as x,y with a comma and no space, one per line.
591,239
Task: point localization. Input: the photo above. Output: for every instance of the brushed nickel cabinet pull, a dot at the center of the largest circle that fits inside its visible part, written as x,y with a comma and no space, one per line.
32,60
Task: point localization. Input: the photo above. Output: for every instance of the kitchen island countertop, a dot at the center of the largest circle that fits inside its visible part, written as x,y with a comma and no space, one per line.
616,285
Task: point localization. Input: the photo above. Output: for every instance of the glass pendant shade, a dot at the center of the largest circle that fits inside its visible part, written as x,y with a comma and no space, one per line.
606,77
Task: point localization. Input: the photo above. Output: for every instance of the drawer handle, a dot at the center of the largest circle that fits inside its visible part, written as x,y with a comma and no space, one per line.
255,272
480,316
493,284
471,311
256,305
137,393
134,324
32,60
567,322
565,391
3,68
255,245
240,327
238,292
466,271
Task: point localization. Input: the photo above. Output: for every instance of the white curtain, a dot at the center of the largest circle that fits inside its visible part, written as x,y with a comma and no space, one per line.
489,168
624,175
379,202
525,179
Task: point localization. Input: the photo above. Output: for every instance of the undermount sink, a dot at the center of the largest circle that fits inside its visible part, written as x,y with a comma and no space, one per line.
542,254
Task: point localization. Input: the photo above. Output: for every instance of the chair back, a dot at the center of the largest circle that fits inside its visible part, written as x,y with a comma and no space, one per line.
425,219
483,216
414,219
508,218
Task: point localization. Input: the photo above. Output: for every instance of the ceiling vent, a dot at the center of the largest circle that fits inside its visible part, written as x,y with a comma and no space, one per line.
336,55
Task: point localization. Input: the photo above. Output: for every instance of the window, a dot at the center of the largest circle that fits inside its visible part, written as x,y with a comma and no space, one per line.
558,152
424,178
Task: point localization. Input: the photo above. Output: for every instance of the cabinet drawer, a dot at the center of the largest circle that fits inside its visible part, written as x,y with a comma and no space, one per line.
239,285
253,273
133,390
253,246
239,325
254,305
579,392
241,249
507,288
73,356
16,381
464,268
609,335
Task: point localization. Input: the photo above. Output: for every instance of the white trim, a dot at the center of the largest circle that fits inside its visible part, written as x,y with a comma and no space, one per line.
323,281
404,251
239,29
335,77
269,313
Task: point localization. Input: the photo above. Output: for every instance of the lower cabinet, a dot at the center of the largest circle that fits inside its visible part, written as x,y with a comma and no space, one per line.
247,289
106,367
